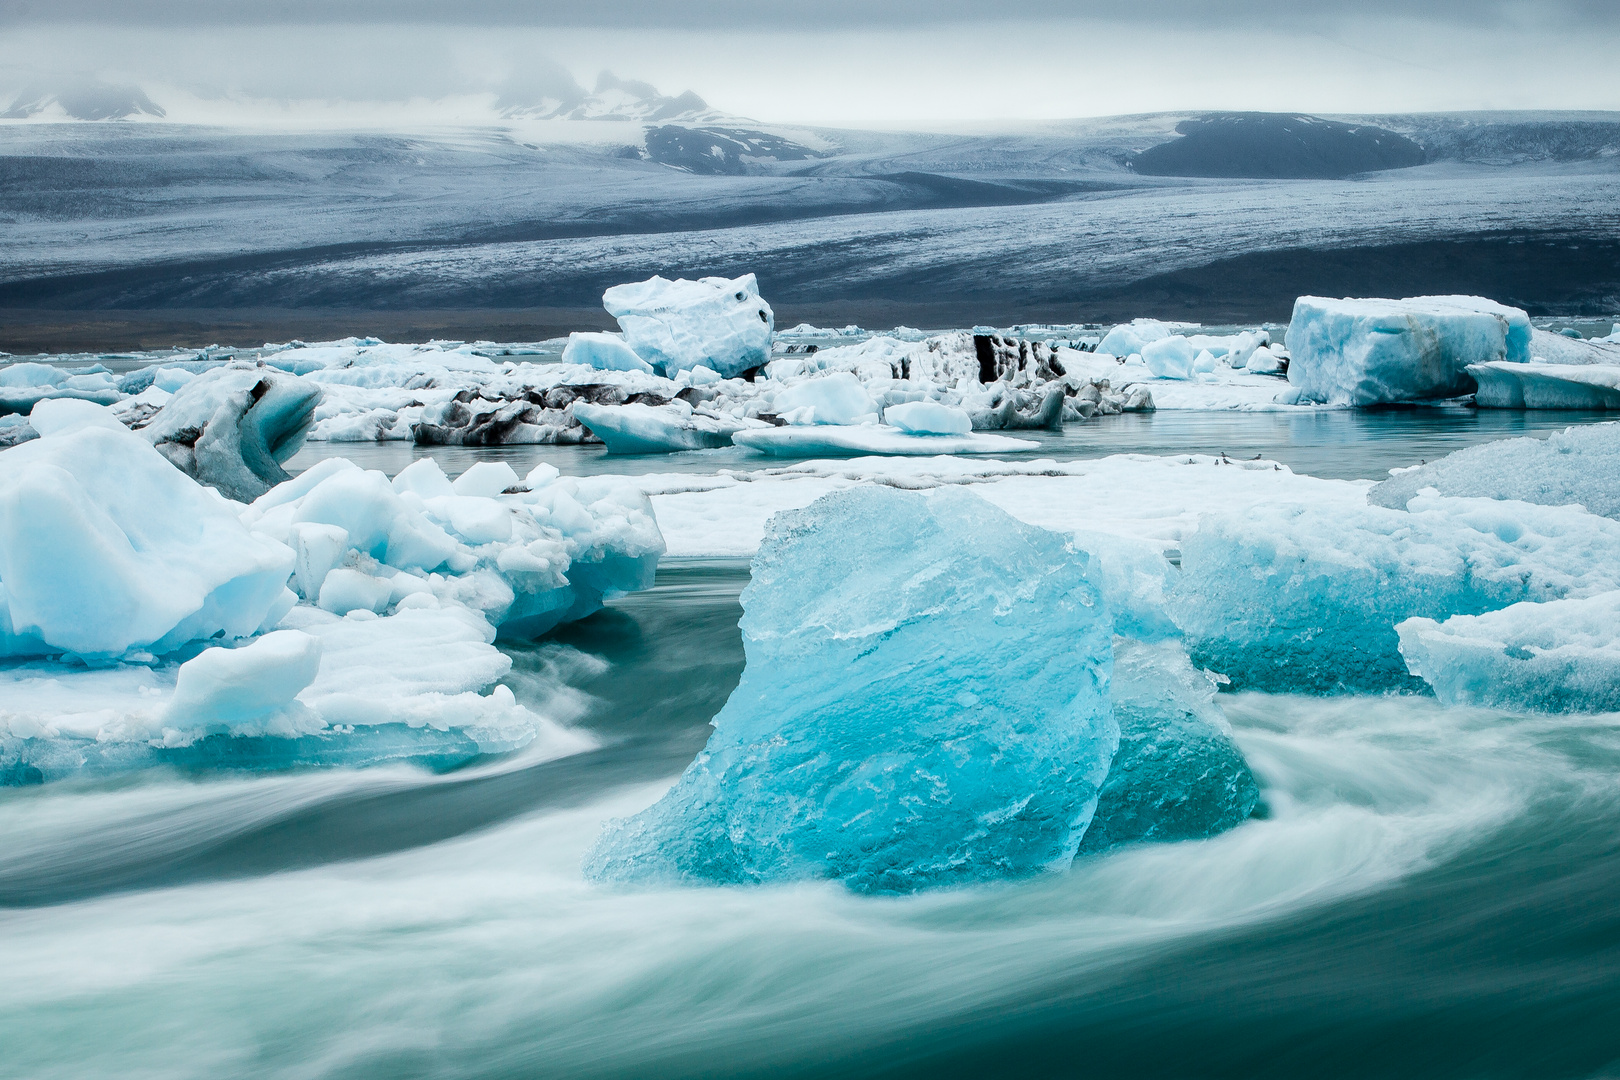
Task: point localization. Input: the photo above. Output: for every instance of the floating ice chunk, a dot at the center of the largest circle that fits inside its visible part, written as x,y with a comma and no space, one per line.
105,547
1170,358
607,352
1558,349
1136,581
232,427
423,477
1204,363
1264,361
1177,775
1362,352
319,548
1579,465
59,416
344,590
23,386
1132,338
719,323
647,429
839,398
928,418
486,478
1546,386
836,441
224,688
1307,598
925,703
1562,656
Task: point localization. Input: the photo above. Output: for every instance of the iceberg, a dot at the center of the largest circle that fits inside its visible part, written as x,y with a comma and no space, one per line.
658,429
1177,774
1306,598
838,398
1365,352
233,426
718,323
230,687
603,351
534,554
1557,657
925,703
1131,338
106,548
1172,358
1579,465
25,385
928,418
845,441
1538,385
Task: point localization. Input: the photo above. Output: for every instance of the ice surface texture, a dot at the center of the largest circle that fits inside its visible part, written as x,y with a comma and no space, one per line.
1577,465
105,547
232,427
925,703
718,323
1562,656
1177,775
1303,598
1547,386
1363,352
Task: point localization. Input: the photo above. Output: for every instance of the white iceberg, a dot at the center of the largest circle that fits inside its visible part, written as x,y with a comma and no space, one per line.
718,323
928,418
24,385
1558,657
604,351
1365,352
106,548
1172,358
1579,465
224,688
1131,338
838,398
925,703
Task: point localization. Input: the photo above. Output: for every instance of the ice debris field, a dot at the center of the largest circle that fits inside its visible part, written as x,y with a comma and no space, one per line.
959,667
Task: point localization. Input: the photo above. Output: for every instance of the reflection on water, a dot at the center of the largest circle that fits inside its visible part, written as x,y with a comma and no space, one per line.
1341,444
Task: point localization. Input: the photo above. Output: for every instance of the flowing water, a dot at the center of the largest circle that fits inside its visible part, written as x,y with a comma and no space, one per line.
1430,892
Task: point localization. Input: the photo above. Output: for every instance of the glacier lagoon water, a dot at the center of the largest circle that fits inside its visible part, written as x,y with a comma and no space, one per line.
1340,444
1430,894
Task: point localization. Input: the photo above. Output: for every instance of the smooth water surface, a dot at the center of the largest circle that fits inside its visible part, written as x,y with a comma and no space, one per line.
1341,444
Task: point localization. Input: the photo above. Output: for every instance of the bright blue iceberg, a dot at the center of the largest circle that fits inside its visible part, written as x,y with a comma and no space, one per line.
925,703
1306,598
1177,775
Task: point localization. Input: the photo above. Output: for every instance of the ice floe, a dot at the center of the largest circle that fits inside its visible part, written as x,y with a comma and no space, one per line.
1556,657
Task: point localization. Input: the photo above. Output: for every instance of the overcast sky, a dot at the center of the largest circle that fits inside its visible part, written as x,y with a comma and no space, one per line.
842,62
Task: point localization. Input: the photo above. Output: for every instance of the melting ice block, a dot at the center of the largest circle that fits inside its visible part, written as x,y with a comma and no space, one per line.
603,351
928,418
718,323
1577,465
1538,385
1133,337
232,427
227,687
838,398
105,547
1307,598
925,703
1562,656
1172,358
661,429
1363,352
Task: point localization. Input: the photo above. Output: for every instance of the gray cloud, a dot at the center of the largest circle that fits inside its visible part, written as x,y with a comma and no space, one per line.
777,15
